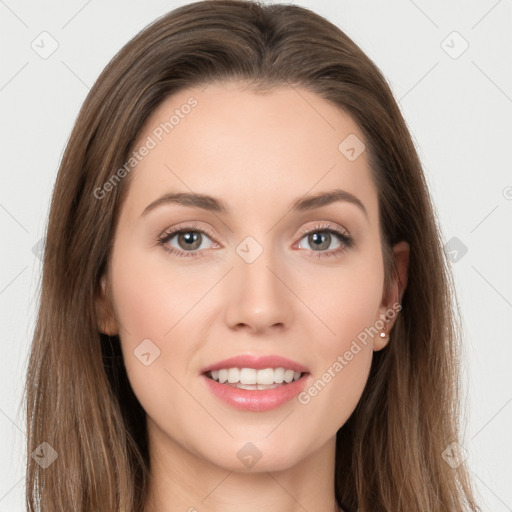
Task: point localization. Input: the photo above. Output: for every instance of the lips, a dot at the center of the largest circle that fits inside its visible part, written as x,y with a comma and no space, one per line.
257,362
256,400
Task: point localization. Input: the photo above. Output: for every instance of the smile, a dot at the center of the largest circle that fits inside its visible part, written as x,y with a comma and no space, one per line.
255,383
253,379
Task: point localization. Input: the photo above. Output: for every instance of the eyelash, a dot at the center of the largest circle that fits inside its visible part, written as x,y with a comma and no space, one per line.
346,240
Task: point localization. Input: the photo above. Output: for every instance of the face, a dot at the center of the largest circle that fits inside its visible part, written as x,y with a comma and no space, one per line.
248,274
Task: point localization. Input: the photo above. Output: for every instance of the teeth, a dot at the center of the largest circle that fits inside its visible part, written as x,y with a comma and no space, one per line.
279,375
255,386
288,375
250,378
265,376
233,375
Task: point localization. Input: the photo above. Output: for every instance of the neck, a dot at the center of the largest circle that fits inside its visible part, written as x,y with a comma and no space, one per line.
183,481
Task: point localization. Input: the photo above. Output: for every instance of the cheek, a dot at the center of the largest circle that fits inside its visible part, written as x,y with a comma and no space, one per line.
153,307
343,351
151,296
344,362
345,300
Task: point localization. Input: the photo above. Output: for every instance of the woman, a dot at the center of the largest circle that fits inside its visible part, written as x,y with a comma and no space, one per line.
245,302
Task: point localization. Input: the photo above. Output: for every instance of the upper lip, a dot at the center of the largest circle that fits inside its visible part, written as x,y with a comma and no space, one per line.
256,362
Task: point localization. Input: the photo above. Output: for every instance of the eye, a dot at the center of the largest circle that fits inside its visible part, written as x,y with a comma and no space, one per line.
321,237
189,239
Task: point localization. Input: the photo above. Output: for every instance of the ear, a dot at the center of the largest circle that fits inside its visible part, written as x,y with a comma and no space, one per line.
392,296
104,311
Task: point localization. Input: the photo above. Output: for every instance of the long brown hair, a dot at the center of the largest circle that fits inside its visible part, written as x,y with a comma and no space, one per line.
389,454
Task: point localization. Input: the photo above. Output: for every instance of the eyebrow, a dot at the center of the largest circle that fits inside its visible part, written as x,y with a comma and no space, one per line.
209,203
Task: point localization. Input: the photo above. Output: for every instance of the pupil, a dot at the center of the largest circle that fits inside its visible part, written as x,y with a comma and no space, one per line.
191,239
320,240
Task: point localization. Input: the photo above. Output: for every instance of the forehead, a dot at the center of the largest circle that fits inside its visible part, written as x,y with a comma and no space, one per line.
249,149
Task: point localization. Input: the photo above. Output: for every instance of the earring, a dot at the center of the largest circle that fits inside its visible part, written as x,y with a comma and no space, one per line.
383,334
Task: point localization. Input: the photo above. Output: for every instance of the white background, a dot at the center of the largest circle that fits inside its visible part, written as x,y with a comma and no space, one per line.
459,111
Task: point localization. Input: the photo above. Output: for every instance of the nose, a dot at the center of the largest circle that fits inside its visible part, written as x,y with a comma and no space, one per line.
259,296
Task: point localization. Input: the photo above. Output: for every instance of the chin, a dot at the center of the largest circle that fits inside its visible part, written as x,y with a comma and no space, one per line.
256,456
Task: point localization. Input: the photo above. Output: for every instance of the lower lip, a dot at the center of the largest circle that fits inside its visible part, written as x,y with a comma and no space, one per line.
253,399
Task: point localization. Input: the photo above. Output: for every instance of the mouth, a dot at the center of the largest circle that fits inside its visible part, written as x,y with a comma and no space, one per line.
255,379
255,383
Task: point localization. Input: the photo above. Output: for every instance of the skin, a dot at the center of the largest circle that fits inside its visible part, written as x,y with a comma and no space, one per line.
258,153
